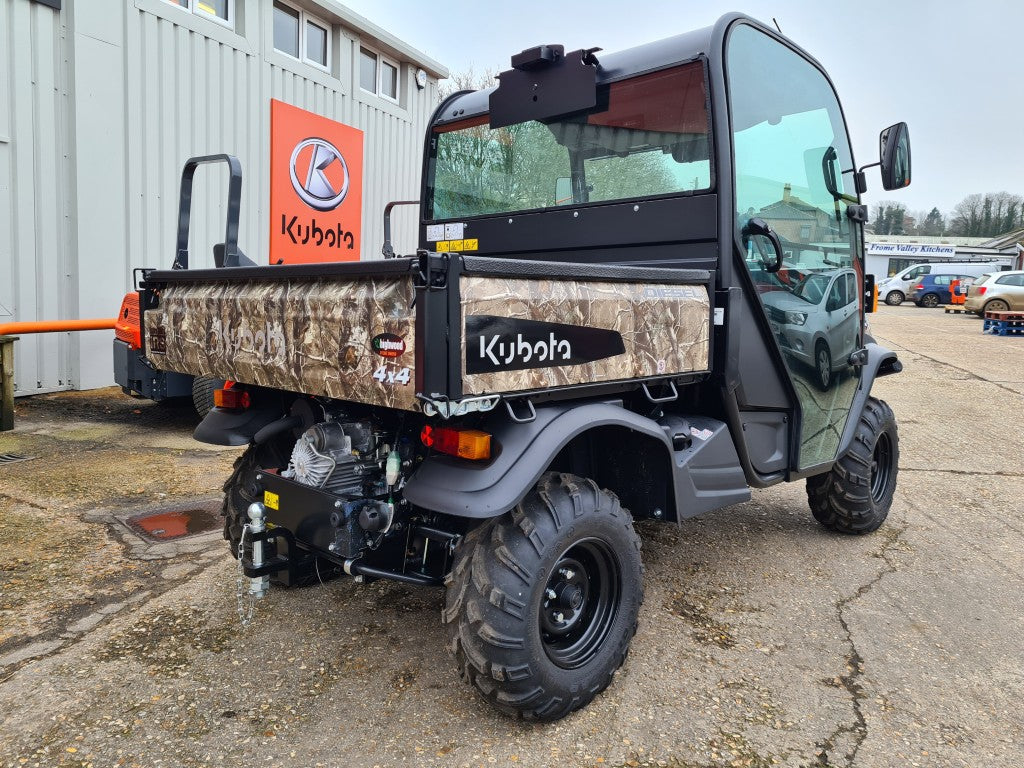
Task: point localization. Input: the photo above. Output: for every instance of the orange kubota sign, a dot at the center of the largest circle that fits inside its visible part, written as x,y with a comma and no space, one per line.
316,187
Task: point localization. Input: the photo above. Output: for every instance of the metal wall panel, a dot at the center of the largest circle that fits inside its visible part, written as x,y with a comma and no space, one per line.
101,104
34,188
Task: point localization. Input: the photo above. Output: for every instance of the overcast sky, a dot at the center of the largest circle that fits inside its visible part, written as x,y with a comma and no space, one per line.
951,69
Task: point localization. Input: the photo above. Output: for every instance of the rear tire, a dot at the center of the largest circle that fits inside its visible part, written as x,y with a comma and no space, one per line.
995,305
203,388
241,490
894,298
929,300
542,602
856,494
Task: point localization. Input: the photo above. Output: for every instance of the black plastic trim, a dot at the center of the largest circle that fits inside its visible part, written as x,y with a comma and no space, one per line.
354,269
220,427
529,269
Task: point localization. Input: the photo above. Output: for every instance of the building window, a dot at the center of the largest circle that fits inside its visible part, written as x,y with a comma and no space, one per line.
221,11
301,36
377,74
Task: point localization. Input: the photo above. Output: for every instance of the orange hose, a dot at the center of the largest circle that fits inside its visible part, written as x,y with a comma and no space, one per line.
52,326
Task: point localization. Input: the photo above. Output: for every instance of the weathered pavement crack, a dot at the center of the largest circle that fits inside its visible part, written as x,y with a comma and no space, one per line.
26,502
60,638
965,472
850,682
966,371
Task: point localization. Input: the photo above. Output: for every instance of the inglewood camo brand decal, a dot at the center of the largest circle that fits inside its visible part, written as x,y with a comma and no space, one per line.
512,344
388,345
521,334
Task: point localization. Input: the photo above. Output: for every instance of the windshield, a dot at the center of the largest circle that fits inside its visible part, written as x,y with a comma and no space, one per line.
813,288
647,136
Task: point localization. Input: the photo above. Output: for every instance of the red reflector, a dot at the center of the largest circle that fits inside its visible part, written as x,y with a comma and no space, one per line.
463,443
981,290
231,398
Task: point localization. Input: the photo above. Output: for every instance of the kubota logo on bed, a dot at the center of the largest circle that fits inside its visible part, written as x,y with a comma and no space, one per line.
316,168
510,344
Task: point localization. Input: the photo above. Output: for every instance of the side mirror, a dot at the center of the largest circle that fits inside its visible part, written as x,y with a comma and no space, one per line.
894,156
759,233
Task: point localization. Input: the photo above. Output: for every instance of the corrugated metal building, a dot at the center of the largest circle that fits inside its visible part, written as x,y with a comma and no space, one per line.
101,102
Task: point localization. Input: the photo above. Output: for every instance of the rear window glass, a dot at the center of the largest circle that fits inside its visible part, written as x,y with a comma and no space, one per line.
647,136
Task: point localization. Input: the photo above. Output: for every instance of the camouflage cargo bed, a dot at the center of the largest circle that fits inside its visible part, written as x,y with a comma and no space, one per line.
434,329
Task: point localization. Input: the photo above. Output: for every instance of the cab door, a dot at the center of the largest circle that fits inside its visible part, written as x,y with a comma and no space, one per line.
793,169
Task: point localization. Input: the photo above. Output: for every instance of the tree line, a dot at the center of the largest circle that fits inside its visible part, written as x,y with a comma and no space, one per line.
978,215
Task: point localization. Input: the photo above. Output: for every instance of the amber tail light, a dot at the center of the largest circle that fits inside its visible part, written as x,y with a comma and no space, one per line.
463,443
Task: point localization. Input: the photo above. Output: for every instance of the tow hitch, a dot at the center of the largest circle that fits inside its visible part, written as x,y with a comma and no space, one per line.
255,565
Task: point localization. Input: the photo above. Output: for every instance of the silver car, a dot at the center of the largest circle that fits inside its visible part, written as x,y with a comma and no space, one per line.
997,292
817,321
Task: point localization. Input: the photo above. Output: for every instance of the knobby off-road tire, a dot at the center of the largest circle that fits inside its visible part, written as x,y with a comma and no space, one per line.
240,491
203,388
568,550
855,496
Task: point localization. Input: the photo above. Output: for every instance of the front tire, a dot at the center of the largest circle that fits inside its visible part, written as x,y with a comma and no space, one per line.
823,365
856,494
541,603
894,298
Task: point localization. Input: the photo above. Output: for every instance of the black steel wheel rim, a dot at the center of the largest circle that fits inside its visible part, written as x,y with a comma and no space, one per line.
580,602
881,467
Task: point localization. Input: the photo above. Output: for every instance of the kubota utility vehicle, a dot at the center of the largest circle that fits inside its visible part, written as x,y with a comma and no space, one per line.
594,331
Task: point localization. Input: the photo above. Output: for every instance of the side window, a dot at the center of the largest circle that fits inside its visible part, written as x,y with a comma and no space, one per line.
942,279
851,289
836,294
925,269
1011,280
914,273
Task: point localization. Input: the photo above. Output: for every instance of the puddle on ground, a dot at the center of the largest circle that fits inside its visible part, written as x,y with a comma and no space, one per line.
167,525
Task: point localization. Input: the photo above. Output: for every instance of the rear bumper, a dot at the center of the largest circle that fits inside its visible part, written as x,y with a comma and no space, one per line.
134,374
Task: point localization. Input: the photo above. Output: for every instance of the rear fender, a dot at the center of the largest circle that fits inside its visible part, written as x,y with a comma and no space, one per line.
472,490
222,427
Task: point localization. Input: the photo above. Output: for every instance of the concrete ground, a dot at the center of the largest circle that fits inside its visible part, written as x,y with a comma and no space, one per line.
764,640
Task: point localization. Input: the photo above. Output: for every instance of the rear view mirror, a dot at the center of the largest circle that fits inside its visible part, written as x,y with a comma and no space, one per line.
894,156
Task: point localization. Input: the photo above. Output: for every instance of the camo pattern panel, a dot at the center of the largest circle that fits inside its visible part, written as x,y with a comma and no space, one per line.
532,334
351,340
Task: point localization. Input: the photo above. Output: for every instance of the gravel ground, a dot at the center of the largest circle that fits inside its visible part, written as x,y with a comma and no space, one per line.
763,640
